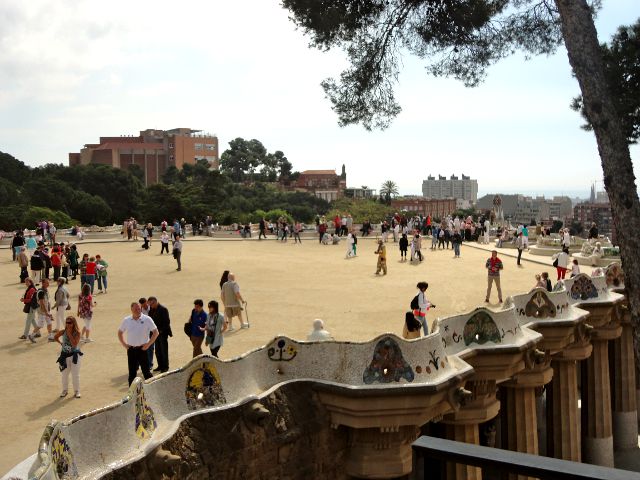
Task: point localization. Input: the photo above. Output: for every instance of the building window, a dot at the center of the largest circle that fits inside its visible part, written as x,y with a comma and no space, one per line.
171,145
210,147
170,157
198,146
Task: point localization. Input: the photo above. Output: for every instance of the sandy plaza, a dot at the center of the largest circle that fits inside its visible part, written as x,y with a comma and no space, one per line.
286,286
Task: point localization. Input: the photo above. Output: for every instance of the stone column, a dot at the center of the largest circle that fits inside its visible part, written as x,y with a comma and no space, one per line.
563,419
518,408
596,400
462,425
625,415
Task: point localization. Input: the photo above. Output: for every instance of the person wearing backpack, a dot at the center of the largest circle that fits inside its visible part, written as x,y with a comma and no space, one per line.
411,327
37,265
26,300
420,306
40,303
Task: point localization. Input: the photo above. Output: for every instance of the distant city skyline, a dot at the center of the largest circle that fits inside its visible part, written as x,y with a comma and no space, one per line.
68,76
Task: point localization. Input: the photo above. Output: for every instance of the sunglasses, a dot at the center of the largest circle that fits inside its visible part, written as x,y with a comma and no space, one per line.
69,323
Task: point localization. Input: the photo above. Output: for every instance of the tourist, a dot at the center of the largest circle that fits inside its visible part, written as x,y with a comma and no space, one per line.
101,274
493,266
85,311
149,229
224,278
333,239
23,263
134,229
343,225
434,238
69,359
525,237
177,252
382,258
31,246
233,301
61,303
418,246
52,233
566,238
214,327
56,262
297,228
540,283
420,306
160,316
411,328
164,242
355,243
37,265
44,254
138,328
350,243
404,245
27,300
322,229
90,272
441,237
83,269
593,233
262,227
16,242
456,241
319,334
560,261
519,246
145,238
73,261
42,313
145,308
64,257
547,281
198,320
575,268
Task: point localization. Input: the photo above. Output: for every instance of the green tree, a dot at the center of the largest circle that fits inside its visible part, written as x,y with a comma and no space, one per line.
162,202
8,192
90,209
13,169
388,189
622,70
462,38
241,160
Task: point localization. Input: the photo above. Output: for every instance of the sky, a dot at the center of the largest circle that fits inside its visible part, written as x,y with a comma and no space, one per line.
73,71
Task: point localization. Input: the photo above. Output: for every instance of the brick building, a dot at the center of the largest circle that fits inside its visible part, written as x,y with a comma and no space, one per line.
600,213
153,151
325,184
437,208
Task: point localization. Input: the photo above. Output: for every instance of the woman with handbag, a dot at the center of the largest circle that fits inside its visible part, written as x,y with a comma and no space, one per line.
30,320
214,328
411,327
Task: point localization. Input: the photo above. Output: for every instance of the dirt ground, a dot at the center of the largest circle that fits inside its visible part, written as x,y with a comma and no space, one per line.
286,286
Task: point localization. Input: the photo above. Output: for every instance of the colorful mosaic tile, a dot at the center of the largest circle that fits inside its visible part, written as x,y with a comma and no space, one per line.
615,275
583,288
203,388
481,328
281,352
539,306
145,420
388,364
62,459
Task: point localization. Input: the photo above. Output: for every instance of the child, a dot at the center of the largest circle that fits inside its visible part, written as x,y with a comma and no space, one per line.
547,282
404,245
575,268
85,311
539,282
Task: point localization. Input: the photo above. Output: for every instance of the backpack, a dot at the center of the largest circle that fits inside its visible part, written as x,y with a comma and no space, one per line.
414,303
36,262
35,299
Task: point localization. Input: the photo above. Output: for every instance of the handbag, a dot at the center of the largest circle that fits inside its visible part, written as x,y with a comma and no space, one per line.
26,308
187,328
555,262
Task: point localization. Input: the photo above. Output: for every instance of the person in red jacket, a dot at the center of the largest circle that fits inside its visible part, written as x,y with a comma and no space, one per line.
56,262
90,276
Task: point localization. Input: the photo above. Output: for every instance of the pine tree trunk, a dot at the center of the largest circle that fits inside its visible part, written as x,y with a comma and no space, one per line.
581,41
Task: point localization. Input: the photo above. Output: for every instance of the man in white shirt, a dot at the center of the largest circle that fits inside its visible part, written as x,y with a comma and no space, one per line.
141,333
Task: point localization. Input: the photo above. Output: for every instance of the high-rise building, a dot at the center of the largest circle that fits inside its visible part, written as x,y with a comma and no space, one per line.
598,213
523,209
464,188
154,151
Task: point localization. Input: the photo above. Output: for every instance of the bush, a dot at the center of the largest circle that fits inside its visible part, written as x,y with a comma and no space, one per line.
360,210
37,214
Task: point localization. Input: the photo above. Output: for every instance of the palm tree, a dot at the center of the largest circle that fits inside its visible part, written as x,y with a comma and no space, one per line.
388,189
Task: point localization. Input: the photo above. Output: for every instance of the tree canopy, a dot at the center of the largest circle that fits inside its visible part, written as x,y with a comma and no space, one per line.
458,38
622,69
249,160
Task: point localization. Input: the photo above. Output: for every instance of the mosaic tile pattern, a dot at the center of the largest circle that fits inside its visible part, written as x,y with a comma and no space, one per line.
540,306
204,388
388,364
62,458
145,420
279,351
583,288
480,329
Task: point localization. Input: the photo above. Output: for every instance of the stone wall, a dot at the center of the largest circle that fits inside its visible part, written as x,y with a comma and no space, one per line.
286,436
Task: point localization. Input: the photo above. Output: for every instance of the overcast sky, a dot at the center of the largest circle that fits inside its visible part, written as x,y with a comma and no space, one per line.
73,71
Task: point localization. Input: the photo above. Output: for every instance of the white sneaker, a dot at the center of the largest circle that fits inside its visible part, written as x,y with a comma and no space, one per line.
230,329
77,395
245,325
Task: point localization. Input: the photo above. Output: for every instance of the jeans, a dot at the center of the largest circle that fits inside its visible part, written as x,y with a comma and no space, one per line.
74,369
30,321
262,234
165,247
102,281
136,357
519,255
162,352
150,354
456,249
90,280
